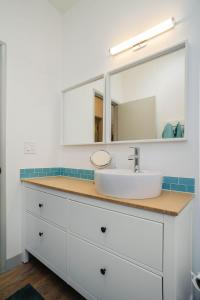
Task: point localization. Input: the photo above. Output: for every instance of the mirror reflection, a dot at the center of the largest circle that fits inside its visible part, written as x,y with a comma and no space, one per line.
148,100
83,113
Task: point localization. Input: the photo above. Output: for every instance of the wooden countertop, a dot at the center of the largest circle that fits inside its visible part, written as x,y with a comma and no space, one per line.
170,203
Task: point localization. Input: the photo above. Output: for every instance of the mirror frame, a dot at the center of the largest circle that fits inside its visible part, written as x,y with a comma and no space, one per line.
182,45
107,99
83,83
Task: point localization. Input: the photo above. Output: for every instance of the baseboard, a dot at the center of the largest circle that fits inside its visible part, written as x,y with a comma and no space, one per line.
13,262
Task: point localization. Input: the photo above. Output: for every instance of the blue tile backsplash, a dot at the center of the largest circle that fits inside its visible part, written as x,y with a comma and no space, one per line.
178,184
170,180
39,172
42,172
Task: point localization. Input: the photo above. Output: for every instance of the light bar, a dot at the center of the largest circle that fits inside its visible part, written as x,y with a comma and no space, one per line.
141,38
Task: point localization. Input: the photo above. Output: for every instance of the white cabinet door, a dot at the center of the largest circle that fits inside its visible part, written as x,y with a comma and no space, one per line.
84,264
109,277
46,241
53,246
32,200
50,207
127,281
133,237
32,238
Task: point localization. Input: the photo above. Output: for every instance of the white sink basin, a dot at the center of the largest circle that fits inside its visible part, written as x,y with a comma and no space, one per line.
124,183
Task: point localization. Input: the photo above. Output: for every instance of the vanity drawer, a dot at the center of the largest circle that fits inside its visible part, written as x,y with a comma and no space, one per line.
108,277
135,238
50,207
46,241
32,229
83,267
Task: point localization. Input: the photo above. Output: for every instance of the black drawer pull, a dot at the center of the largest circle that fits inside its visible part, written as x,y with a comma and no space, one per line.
103,271
103,229
40,205
41,233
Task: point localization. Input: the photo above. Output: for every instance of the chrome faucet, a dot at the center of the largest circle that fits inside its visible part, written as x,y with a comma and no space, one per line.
136,159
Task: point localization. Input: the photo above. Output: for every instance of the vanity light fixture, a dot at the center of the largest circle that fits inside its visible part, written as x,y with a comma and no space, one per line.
142,38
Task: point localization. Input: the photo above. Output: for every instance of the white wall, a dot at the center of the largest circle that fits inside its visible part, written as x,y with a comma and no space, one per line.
32,31
103,24
96,32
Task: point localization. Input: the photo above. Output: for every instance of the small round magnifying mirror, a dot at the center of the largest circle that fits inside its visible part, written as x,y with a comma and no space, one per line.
101,159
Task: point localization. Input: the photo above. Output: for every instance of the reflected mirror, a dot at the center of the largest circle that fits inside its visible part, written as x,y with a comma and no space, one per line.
148,99
83,113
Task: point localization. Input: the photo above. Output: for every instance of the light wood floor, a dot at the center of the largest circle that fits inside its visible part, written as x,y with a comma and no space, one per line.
42,279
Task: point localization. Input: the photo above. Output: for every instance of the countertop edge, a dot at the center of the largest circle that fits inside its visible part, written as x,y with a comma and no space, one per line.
111,200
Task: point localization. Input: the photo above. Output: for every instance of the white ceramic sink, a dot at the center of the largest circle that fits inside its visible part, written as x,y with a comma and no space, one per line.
124,183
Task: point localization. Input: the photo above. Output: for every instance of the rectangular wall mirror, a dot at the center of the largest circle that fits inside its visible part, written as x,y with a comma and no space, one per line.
147,99
83,113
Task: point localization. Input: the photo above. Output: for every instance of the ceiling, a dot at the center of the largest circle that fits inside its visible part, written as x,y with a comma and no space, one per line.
63,5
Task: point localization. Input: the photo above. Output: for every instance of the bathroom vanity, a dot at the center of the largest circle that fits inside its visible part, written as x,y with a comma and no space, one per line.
108,248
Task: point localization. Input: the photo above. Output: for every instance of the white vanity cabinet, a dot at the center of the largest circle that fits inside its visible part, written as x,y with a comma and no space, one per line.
108,251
